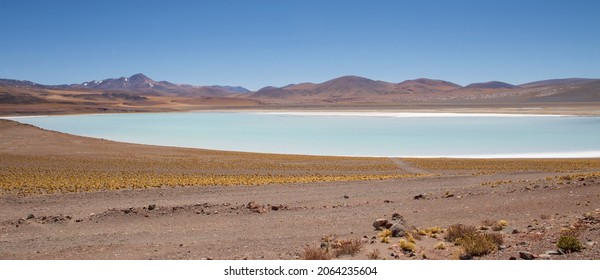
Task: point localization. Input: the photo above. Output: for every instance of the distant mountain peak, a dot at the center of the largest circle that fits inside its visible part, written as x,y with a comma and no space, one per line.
491,85
139,76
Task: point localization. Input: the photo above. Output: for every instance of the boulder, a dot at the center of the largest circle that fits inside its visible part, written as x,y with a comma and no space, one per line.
398,230
526,255
379,223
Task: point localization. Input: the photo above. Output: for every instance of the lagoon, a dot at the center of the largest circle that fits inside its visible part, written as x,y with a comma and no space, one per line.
386,134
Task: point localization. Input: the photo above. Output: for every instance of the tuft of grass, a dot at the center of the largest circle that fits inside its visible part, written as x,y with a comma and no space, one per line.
374,254
315,253
569,242
431,232
497,238
478,244
410,238
456,231
474,243
347,247
385,235
440,246
407,246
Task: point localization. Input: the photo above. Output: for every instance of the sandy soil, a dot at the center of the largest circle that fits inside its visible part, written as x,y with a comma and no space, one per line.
277,221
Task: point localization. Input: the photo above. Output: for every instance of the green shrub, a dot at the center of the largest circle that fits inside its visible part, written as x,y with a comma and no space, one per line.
569,243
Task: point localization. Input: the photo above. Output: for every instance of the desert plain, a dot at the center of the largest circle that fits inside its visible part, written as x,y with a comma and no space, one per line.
69,197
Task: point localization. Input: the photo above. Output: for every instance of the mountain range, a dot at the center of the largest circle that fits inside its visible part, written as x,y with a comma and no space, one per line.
141,93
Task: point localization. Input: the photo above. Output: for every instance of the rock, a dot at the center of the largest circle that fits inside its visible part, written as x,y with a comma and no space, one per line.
346,196
30,216
512,258
411,255
387,201
553,252
78,220
526,255
544,256
388,225
398,230
419,196
465,257
252,205
515,231
396,217
151,207
274,207
379,223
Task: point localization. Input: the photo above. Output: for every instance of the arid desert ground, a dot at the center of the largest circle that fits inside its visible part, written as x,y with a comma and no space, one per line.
71,197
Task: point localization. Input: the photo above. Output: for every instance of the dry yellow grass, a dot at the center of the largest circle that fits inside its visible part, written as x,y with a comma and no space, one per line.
492,166
36,161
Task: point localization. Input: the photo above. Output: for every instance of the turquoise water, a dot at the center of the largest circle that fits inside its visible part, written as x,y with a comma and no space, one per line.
358,134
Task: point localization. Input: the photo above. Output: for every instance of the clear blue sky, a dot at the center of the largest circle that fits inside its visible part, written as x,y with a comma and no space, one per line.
260,43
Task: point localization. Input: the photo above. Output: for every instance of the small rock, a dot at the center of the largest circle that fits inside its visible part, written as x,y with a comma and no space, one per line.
30,216
380,223
590,243
78,220
419,196
515,231
512,258
388,225
411,255
396,217
387,201
553,252
151,207
465,257
526,255
346,196
544,256
274,207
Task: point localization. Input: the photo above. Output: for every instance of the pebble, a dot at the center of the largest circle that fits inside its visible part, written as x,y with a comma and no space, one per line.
465,257
526,255
553,252
346,196
30,216
151,206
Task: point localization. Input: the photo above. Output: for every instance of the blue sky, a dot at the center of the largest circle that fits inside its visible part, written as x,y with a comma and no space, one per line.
260,43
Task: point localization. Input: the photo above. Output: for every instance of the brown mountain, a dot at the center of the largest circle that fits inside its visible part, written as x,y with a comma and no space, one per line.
352,89
556,82
426,85
140,93
491,85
